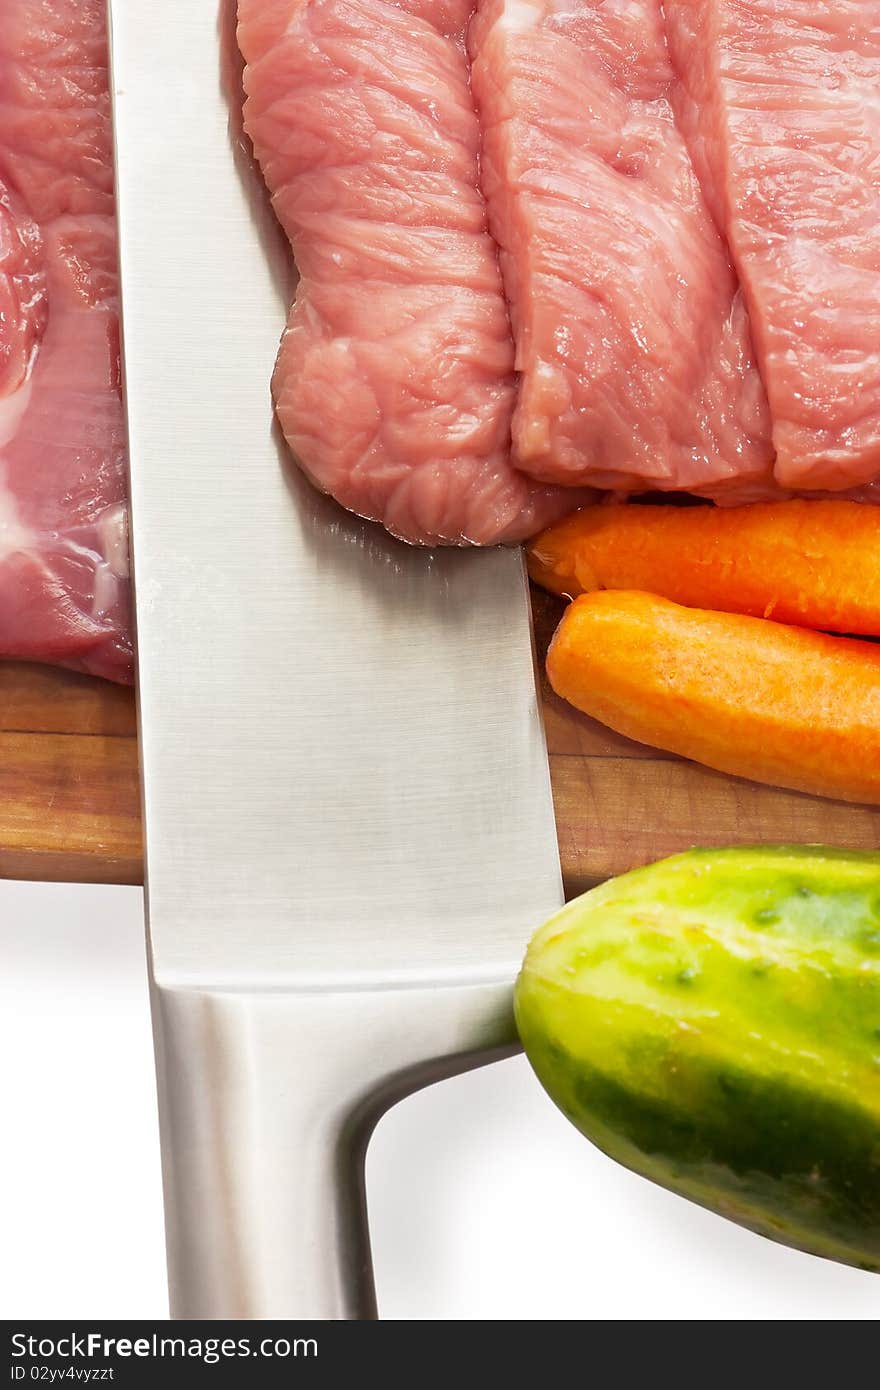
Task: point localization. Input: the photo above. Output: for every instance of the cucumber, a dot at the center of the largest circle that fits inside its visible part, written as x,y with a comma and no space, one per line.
713,1022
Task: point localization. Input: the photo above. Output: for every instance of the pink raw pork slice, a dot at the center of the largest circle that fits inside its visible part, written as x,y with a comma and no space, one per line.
394,384
783,113
63,552
631,335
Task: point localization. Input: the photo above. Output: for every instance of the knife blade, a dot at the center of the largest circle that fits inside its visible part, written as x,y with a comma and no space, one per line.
349,830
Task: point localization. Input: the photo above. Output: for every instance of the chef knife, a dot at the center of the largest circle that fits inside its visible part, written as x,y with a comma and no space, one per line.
347,811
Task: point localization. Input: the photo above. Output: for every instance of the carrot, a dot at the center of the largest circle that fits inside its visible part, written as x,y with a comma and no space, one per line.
815,564
754,698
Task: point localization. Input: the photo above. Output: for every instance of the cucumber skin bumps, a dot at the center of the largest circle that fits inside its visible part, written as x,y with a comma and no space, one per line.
713,1022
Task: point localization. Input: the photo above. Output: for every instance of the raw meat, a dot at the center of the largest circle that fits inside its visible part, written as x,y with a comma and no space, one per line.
394,383
781,103
631,335
63,551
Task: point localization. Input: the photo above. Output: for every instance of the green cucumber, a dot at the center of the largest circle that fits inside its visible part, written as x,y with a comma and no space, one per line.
713,1022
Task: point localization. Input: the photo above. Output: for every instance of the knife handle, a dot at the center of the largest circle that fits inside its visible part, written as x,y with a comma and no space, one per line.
267,1101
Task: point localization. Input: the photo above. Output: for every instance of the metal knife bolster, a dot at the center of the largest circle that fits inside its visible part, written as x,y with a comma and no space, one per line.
349,829
267,1102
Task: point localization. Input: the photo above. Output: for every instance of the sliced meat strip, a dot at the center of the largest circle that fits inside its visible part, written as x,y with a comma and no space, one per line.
394,383
781,102
23,298
63,551
631,336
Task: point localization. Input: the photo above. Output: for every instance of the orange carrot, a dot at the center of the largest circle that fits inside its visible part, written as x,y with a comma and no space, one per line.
815,564
754,698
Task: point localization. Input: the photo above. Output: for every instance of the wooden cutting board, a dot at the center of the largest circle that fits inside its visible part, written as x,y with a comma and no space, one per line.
69,796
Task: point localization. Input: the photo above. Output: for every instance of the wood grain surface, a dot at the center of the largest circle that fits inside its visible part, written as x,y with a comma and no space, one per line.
70,800
69,793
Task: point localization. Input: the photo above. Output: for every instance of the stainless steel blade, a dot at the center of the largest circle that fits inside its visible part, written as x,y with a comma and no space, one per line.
345,779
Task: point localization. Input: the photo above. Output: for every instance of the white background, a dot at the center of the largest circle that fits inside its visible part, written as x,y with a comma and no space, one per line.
484,1202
